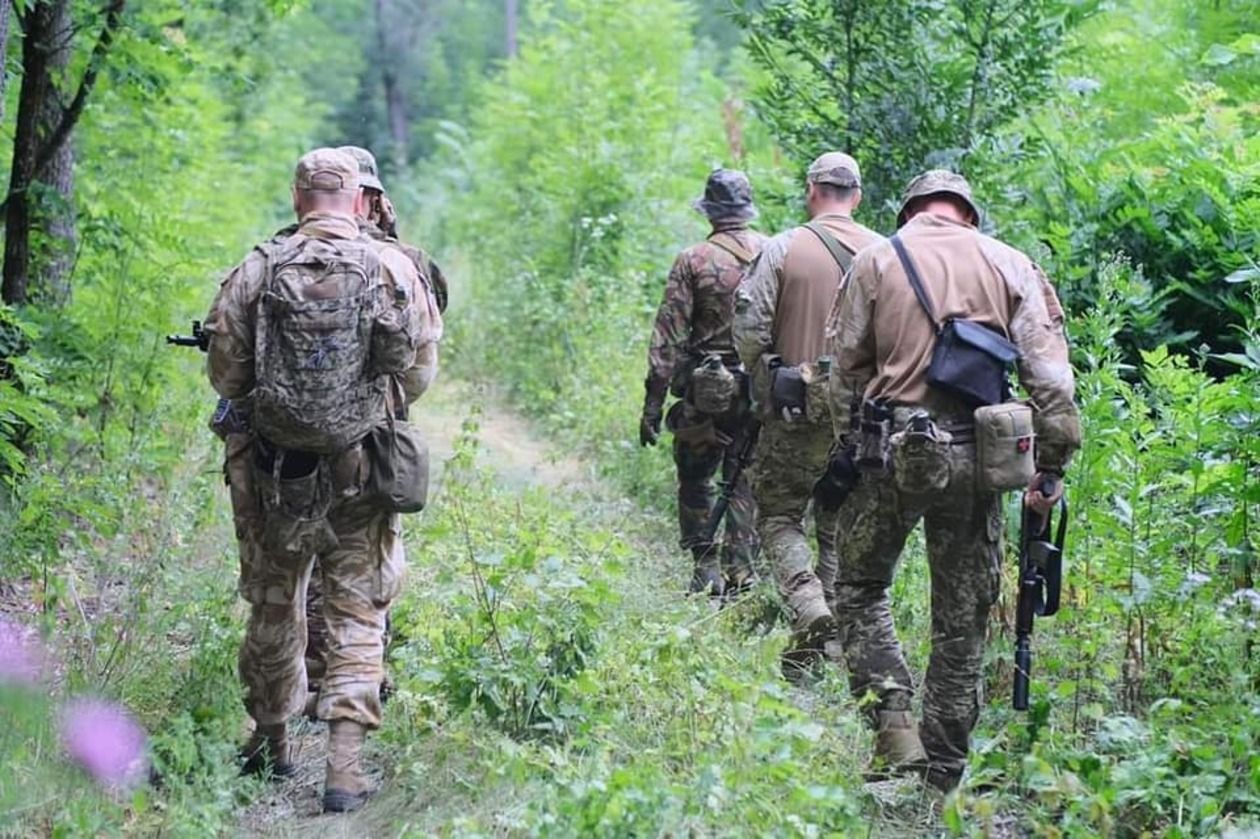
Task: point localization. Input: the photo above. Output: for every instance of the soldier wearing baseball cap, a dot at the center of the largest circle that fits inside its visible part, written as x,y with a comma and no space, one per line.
882,338
326,170
692,326
780,320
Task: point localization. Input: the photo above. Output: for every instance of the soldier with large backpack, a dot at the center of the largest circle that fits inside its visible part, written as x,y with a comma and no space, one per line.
311,333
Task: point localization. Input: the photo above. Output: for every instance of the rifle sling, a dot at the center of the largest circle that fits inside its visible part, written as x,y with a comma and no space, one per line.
839,251
732,246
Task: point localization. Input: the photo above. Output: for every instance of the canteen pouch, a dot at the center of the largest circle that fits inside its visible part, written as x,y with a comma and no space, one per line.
788,393
971,361
1004,446
295,494
398,468
921,456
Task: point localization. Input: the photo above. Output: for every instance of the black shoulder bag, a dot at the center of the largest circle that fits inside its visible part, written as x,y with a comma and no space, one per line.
970,361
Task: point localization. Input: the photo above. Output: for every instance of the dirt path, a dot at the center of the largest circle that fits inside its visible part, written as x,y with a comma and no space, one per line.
521,458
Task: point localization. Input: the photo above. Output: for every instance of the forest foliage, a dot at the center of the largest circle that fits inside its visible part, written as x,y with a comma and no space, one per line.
1115,141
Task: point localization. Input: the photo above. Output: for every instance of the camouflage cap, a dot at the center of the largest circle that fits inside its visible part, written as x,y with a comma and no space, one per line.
938,182
727,195
835,168
326,170
369,176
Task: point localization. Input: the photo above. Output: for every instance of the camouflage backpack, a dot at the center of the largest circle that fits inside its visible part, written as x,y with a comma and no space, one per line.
323,341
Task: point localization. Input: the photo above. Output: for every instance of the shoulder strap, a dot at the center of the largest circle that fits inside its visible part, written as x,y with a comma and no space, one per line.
732,246
838,250
916,282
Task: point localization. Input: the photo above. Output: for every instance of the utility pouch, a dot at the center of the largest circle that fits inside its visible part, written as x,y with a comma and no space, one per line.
970,361
875,430
398,468
921,456
713,386
702,432
788,393
1004,446
817,400
295,495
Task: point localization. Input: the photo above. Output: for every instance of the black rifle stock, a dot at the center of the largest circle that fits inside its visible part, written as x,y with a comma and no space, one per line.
1040,585
199,338
747,446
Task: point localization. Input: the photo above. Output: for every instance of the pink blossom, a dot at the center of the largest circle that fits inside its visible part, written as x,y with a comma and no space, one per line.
105,740
21,655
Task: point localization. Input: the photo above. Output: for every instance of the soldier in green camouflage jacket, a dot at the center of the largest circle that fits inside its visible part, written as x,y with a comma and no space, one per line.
694,323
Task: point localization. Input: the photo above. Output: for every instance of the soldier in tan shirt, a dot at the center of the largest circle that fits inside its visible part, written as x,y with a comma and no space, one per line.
882,342
783,307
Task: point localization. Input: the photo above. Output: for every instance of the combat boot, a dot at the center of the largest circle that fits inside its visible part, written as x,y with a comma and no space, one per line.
706,576
812,626
267,752
898,749
346,788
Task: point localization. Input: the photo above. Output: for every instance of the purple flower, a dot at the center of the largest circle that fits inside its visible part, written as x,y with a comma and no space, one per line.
21,655
105,740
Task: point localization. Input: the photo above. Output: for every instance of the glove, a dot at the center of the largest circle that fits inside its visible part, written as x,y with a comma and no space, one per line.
838,481
650,425
1044,491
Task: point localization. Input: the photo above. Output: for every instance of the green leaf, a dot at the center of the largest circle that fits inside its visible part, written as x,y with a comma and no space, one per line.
1244,275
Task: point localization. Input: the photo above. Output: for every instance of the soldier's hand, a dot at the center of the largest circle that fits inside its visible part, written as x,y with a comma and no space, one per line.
1044,491
840,479
649,427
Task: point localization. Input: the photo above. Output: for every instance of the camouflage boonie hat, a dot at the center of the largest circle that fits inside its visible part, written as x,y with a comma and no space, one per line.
326,170
938,182
727,195
835,168
369,175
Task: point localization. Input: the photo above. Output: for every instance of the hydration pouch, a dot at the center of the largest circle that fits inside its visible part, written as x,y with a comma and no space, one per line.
295,495
921,456
713,386
788,393
1004,446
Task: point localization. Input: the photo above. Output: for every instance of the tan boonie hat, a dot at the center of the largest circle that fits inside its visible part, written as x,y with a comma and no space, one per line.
327,170
369,176
938,182
836,168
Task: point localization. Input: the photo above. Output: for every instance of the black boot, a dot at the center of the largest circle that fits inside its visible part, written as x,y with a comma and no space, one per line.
706,576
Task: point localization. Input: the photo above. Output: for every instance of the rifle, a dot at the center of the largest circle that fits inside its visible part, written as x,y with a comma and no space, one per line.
1040,583
747,446
199,338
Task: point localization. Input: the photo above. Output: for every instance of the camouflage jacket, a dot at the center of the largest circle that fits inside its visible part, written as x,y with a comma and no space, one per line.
429,270
699,305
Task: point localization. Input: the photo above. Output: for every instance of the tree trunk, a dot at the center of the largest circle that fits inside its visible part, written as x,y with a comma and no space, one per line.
511,14
55,215
395,100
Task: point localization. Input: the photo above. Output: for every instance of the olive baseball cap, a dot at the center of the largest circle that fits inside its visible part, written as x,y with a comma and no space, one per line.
326,170
369,175
938,182
727,195
835,168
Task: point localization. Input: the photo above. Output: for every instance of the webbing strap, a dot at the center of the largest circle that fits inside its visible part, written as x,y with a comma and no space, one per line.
916,283
733,247
838,250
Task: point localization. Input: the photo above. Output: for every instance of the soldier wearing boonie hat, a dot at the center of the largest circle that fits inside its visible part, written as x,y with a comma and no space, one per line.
693,324
882,340
780,319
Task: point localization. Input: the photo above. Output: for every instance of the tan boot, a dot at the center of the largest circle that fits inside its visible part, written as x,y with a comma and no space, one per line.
346,788
267,752
898,749
812,627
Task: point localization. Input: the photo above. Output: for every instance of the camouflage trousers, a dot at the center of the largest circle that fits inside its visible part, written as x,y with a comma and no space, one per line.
705,447
791,457
359,578
963,528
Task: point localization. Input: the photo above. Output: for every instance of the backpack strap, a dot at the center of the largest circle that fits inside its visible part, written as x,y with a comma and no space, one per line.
838,250
732,246
916,282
